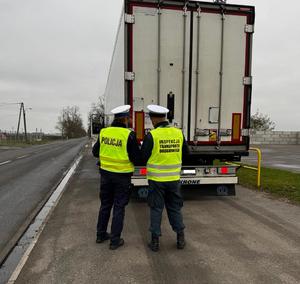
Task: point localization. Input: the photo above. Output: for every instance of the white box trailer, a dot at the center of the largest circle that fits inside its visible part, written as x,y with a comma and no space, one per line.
194,58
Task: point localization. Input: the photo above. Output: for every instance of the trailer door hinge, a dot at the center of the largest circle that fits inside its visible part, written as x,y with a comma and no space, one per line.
129,76
245,132
129,18
247,81
249,29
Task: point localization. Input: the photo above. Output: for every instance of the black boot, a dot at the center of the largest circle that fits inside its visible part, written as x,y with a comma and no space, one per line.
154,244
180,240
114,244
102,237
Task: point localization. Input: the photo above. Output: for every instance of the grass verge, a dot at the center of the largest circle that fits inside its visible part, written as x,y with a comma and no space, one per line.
25,144
279,183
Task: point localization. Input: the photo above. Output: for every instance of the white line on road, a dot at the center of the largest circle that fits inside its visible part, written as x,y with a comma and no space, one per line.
24,156
6,162
44,215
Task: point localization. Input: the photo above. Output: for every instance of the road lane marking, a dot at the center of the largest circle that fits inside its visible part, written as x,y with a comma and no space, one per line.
21,157
6,162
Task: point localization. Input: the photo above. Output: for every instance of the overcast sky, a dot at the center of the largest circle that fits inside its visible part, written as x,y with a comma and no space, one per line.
55,53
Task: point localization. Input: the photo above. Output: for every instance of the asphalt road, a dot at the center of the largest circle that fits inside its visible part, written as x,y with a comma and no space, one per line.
285,157
27,176
249,238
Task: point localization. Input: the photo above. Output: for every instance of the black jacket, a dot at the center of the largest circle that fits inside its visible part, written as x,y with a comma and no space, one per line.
133,150
148,145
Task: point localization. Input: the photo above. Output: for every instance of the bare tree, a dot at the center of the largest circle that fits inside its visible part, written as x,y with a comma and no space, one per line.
96,116
261,121
70,123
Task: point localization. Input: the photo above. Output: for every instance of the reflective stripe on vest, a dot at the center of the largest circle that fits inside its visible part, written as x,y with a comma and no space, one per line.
113,150
164,163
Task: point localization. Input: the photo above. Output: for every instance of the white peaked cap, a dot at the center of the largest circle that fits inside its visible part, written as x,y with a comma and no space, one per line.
118,111
157,109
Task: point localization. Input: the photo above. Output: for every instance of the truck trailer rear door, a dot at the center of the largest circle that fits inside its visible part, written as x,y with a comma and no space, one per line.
198,55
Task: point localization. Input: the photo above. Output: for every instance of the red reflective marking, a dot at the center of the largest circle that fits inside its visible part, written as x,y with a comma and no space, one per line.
224,170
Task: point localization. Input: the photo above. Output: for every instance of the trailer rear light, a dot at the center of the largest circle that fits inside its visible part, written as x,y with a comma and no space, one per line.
143,171
189,172
226,170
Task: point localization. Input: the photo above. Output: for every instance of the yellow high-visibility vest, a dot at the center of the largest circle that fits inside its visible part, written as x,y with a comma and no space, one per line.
165,161
113,150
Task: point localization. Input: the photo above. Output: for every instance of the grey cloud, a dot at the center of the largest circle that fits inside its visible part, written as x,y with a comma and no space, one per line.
53,54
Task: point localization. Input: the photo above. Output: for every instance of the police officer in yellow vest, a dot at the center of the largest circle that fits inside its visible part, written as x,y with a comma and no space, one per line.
162,152
118,150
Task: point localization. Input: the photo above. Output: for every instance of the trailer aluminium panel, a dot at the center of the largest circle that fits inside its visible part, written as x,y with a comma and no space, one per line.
194,58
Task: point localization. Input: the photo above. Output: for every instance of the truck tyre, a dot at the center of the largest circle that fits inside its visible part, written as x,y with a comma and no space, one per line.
225,190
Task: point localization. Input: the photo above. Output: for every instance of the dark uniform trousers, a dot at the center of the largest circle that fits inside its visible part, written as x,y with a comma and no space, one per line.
114,192
165,194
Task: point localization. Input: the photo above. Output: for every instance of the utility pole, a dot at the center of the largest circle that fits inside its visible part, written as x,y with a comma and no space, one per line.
25,128
21,106
22,109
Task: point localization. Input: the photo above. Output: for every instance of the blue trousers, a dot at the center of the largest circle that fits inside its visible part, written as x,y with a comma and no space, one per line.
114,193
165,194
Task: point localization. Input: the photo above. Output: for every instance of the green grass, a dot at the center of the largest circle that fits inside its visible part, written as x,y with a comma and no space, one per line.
280,183
23,143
